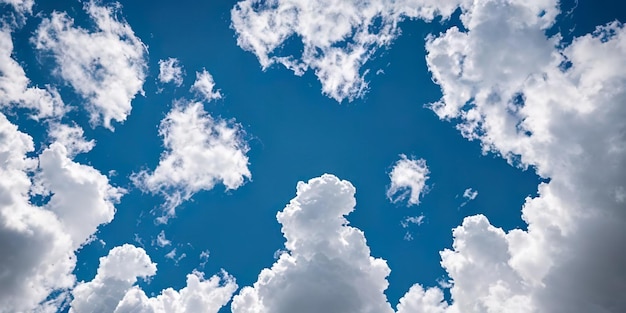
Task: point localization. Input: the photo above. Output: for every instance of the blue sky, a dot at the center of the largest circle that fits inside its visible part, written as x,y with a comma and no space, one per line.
166,138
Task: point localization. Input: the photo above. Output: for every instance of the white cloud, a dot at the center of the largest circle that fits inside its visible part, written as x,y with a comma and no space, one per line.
504,80
113,288
417,220
407,221
161,241
470,194
71,137
72,188
338,37
327,266
418,300
204,86
117,273
408,180
200,152
107,67
20,6
170,71
14,85
199,296
171,254
43,239
506,83
204,258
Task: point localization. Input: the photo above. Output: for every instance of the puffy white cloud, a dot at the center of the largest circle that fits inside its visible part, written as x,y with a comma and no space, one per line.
408,180
559,109
71,137
338,37
199,296
418,300
113,288
117,273
170,70
204,86
14,85
327,266
201,151
527,97
80,196
107,67
43,239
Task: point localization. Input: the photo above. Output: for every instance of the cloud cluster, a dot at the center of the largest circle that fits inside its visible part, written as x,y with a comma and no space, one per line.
560,110
170,71
201,151
43,235
338,37
538,103
107,67
408,180
113,289
327,266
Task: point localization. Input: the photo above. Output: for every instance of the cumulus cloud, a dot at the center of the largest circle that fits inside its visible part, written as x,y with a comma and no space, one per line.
107,66
113,288
200,152
338,37
170,70
117,273
15,89
537,102
204,86
199,295
560,109
327,266
43,237
408,180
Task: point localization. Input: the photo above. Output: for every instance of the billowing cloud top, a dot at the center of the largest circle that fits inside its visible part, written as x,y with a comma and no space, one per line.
327,266
113,289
